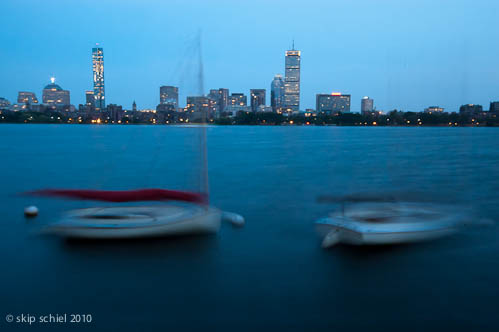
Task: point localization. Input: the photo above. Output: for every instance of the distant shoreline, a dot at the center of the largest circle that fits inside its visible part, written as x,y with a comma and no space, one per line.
245,125
392,119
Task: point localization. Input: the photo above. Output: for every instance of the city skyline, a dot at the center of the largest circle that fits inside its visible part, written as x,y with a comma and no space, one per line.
217,99
401,64
284,97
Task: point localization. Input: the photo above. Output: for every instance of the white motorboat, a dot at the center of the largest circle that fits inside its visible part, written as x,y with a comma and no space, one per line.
378,223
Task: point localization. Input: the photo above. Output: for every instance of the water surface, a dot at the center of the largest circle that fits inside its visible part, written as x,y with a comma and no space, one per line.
272,274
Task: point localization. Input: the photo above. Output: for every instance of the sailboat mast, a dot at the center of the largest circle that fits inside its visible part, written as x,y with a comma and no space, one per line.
203,145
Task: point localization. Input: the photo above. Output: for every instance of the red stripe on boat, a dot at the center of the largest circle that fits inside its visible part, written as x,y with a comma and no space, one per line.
125,195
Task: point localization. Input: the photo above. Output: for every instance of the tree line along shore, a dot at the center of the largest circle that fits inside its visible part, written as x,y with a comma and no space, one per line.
393,118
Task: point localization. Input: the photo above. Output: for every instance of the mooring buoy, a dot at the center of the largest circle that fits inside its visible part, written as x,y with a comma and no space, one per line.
234,218
31,211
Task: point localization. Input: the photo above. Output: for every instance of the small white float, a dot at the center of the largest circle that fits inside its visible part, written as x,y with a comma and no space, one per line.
233,218
30,211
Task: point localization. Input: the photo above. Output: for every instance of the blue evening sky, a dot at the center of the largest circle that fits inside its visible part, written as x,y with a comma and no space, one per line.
404,54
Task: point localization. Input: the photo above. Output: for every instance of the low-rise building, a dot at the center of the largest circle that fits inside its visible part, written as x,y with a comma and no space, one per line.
232,110
200,108
54,95
434,109
258,97
332,103
114,113
4,103
237,99
471,109
264,108
26,97
494,107
366,105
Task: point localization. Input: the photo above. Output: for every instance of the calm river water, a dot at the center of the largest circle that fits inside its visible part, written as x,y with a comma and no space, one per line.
272,274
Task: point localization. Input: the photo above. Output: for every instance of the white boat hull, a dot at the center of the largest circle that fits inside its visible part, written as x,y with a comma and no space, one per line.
348,236
137,222
404,223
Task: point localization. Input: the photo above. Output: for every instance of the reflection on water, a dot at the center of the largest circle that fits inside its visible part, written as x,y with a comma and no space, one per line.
179,247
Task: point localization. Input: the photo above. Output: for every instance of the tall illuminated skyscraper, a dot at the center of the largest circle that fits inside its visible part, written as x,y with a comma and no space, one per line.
292,81
98,68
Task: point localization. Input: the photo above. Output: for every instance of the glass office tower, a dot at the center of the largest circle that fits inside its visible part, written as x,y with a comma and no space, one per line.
98,69
292,81
277,93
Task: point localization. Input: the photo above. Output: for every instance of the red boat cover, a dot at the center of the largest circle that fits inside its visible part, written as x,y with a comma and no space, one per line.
125,195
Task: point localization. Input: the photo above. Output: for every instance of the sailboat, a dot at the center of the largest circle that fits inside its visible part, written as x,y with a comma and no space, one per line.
180,212
185,213
387,220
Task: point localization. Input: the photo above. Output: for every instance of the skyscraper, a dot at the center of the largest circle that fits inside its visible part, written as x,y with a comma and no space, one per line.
277,93
169,95
292,81
98,69
258,97
332,103
366,105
